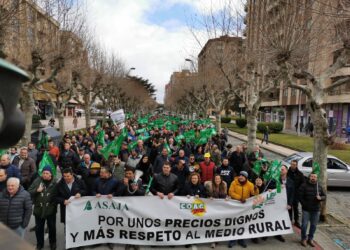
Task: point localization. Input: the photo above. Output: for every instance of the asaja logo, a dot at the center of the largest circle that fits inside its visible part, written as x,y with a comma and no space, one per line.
88,206
198,207
105,204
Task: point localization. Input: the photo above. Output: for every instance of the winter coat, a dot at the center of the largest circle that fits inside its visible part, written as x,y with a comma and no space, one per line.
12,171
68,159
307,196
182,176
211,192
27,169
227,173
193,190
289,187
298,179
158,163
133,161
107,186
44,204
237,161
165,184
207,171
241,192
63,193
15,211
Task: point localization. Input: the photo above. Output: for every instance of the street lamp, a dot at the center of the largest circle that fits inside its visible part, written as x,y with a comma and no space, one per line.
131,69
192,64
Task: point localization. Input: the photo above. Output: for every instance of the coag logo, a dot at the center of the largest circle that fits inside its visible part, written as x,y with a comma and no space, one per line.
198,207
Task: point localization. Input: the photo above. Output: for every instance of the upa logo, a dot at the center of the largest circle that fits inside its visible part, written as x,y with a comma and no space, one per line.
197,207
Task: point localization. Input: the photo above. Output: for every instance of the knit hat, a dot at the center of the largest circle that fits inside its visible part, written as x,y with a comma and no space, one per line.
47,168
244,173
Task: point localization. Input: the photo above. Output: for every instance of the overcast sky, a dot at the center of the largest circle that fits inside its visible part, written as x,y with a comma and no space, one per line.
150,35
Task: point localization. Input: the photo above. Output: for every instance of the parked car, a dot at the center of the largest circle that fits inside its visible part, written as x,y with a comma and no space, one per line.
338,171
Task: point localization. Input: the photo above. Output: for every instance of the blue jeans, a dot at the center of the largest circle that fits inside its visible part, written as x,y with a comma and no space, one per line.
311,217
20,231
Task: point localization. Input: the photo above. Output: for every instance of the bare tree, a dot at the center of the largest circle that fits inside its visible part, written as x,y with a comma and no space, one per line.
297,46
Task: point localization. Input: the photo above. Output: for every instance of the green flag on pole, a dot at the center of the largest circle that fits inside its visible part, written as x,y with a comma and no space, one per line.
316,169
274,173
47,161
166,146
101,138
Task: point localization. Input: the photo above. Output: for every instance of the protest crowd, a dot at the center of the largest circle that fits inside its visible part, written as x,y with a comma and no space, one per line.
164,156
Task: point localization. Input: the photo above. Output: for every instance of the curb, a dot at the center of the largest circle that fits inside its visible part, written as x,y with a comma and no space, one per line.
268,148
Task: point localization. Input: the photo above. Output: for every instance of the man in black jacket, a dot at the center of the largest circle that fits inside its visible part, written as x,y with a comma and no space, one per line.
67,158
237,159
67,187
298,179
160,160
311,194
165,183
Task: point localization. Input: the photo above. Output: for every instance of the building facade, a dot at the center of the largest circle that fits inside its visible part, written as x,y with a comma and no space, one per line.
287,104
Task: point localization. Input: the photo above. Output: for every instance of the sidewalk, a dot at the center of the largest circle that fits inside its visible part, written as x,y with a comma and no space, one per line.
68,123
270,147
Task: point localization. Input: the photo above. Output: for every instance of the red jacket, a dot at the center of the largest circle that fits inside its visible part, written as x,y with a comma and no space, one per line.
207,171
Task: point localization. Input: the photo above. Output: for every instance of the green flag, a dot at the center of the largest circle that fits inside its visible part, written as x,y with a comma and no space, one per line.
143,138
140,131
107,150
316,169
2,152
98,127
257,167
43,140
47,161
132,145
149,184
100,139
179,138
274,173
166,146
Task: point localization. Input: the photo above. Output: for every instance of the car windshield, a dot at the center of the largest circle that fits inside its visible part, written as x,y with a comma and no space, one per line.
292,157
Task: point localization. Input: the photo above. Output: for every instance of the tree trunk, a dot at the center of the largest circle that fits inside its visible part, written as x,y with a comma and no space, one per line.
27,103
320,152
218,121
252,126
60,114
87,115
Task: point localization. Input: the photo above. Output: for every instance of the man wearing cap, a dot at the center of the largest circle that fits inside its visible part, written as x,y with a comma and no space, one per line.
207,168
241,189
43,191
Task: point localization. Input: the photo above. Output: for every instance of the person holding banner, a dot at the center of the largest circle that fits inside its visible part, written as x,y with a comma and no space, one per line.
165,183
132,183
69,185
241,189
194,187
43,191
106,184
310,194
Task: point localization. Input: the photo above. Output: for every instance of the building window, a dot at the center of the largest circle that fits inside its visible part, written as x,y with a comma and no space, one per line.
285,92
293,92
30,34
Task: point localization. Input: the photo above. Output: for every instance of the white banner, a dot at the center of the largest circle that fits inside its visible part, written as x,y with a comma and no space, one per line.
118,116
148,220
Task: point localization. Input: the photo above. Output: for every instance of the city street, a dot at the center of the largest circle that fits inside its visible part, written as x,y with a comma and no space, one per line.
330,236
